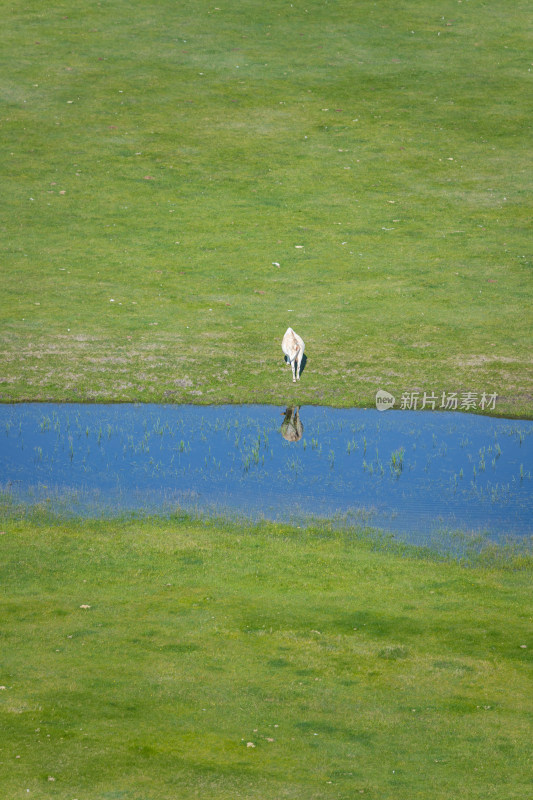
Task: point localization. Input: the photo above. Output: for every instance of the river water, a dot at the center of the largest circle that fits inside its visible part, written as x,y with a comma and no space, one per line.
409,472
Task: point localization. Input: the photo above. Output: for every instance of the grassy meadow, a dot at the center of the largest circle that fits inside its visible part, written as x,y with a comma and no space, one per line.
182,181
155,660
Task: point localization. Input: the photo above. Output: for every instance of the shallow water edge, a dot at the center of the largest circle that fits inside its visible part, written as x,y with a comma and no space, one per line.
206,403
470,549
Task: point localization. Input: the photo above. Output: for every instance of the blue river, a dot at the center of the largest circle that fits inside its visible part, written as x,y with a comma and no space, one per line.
412,473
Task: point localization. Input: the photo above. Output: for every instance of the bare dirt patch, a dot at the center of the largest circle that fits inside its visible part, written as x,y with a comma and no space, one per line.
480,359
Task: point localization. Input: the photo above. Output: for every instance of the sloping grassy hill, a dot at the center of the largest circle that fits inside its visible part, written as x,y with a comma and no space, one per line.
182,182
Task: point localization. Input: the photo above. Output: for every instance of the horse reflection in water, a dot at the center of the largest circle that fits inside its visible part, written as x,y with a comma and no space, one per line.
291,427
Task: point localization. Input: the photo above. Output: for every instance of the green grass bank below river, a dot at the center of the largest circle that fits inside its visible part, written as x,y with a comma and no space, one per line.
151,659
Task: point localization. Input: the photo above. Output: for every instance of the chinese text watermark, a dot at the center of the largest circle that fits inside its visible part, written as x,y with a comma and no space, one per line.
445,401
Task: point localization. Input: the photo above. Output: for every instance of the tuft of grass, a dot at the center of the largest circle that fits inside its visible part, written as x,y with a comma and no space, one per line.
141,656
182,182
396,461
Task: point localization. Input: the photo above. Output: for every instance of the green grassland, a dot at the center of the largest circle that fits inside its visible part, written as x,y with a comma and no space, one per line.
161,159
151,659
181,182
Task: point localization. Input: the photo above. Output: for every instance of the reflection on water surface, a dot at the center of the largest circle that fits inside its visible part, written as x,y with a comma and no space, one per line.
410,472
292,428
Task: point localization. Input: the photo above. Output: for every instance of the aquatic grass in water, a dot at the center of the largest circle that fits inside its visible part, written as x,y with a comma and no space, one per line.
396,461
428,470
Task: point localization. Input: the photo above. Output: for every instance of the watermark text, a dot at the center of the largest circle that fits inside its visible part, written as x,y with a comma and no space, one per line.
445,401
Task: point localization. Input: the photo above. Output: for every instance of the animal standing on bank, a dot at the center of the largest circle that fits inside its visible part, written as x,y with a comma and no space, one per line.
293,346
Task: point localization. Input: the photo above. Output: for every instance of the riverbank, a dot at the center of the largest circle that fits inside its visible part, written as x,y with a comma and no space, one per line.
161,658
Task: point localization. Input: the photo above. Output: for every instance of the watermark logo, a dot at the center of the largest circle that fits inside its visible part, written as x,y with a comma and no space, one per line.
384,400
447,401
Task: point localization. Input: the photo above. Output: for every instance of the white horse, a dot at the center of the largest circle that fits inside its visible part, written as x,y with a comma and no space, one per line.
293,346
